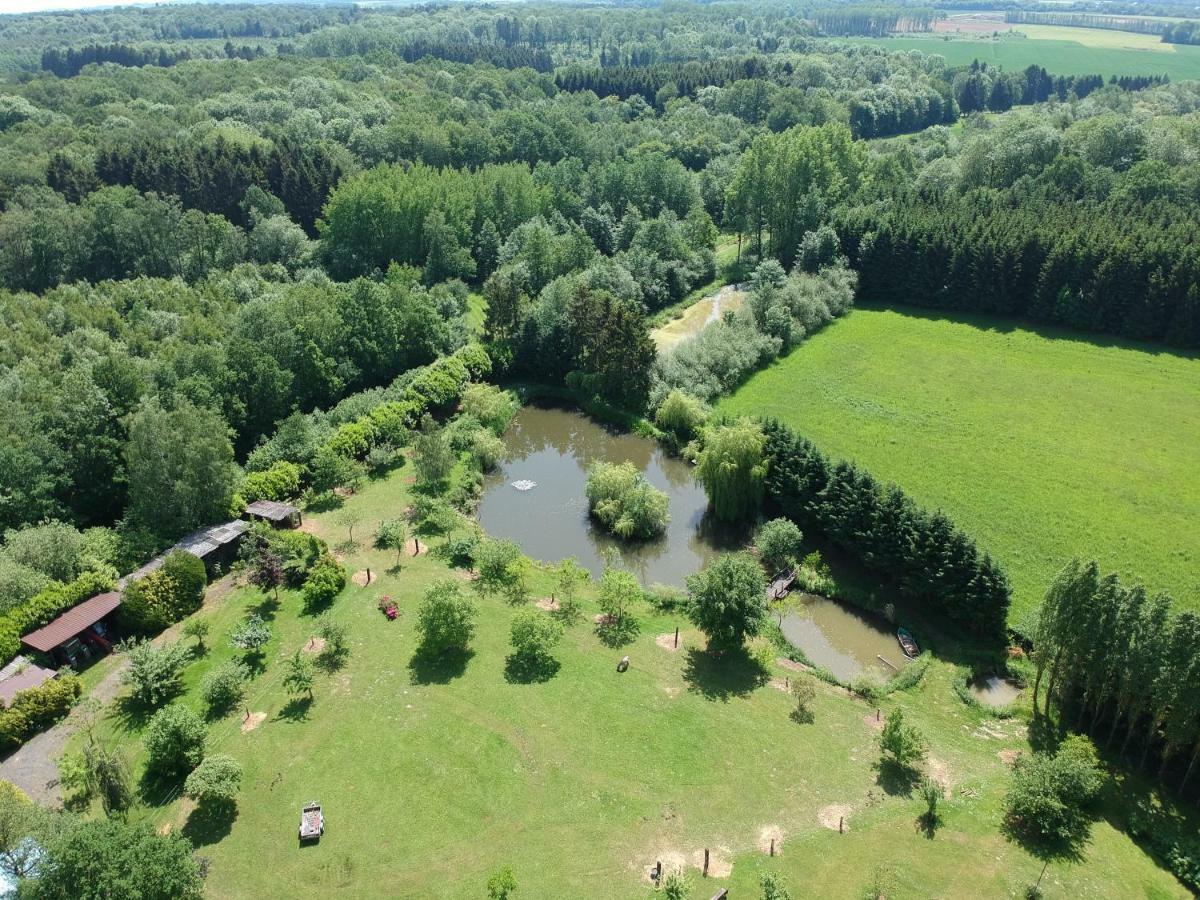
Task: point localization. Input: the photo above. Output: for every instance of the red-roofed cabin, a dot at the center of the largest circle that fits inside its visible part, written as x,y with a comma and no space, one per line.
81,633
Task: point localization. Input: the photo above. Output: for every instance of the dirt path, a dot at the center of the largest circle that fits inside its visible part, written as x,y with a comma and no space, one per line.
34,766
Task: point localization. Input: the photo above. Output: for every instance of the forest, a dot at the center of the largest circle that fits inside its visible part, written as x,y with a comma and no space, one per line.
258,252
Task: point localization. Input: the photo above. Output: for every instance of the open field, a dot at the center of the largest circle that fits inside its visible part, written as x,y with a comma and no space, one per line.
989,23
433,778
1042,445
1078,56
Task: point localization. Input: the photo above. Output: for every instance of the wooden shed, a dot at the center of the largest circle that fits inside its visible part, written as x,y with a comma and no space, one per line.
279,515
80,633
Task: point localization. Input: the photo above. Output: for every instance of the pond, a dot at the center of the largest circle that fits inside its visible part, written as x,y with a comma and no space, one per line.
841,639
537,498
994,691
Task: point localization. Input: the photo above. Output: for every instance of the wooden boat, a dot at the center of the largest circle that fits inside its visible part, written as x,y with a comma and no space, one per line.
907,643
781,584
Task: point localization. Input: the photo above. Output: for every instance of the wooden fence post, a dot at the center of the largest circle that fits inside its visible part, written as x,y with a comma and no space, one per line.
705,862
676,637
772,846
841,825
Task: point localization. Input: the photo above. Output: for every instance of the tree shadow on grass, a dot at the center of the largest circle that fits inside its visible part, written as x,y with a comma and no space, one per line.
325,502
802,716
895,779
530,669
618,634
330,661
1063,849
266,608
159,788
714,676
295,710
256,662
927,823
438,668
210,822
133,715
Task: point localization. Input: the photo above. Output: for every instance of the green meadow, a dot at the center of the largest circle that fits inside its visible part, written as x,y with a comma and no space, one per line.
1042,444
1061,57
432,778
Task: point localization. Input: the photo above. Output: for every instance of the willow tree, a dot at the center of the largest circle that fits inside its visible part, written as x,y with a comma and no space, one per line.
732,467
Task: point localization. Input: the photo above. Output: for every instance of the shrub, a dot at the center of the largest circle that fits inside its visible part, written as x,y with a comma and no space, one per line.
251,635
280,482
224,686
502,570
324,583
681,416
34,709
619,590
487,450
153,673
107,857
174,741
778,544
534,635
216,779
174,590
728,600
624,502
459,549
900,743
445,618
1050,792
491,406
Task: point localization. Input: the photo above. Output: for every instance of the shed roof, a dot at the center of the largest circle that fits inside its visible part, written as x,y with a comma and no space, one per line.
271,509
73,621
199,543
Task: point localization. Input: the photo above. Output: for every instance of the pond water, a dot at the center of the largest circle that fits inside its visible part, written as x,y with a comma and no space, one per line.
537,498
994,691
841,639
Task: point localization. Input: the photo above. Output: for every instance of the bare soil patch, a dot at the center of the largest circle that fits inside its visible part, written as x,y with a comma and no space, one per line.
314,645
672,692
546,603
792,665
603,619
673,861
667,641
781,684
939,771
768,835
720,862
253,721
1009,757
875,724
361,578
830,816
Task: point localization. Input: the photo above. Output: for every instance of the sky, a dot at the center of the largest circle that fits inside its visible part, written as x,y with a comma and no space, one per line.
21,6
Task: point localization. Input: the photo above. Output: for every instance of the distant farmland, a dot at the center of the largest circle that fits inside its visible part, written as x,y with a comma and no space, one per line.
1080,56
1043,445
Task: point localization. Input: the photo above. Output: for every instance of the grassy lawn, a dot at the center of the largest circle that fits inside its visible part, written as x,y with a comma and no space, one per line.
1078,56
1042,445
431,780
